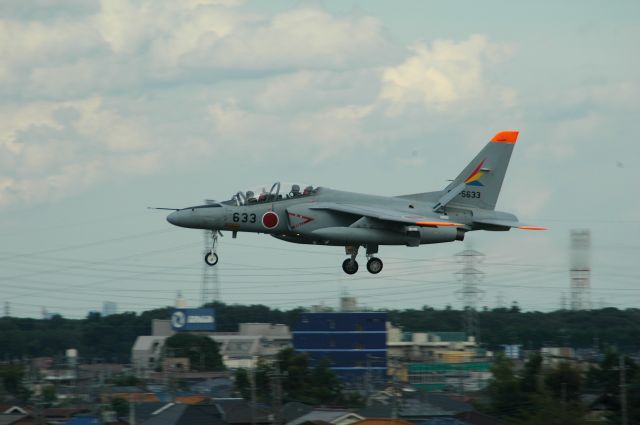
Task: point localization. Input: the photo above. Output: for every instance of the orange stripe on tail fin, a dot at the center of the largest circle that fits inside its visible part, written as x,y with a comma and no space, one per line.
506,137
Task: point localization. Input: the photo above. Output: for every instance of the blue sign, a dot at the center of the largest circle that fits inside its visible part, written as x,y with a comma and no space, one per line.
193,319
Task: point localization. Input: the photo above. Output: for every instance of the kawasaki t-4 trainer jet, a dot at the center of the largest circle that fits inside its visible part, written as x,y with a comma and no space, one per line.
318,215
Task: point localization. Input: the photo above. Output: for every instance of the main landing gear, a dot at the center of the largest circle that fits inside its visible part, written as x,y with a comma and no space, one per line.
350,265
211,258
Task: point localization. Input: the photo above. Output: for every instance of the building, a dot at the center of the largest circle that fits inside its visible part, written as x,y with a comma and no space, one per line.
109,308
553,356
455,377
512,351
450,347
354,342
238,349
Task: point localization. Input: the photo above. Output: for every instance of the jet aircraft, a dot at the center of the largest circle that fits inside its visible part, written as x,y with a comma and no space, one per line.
318,215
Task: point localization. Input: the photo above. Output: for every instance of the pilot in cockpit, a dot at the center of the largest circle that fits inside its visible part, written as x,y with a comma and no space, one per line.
263,195
251,199
295,191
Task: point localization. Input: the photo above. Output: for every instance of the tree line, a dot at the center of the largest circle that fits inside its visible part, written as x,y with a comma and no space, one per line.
109,339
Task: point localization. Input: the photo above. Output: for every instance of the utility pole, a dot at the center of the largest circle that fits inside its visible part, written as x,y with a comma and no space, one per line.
253,394
564,397
367,381
132,410
275,378
623,391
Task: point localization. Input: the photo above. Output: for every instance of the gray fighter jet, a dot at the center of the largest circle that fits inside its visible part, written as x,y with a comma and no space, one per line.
322,216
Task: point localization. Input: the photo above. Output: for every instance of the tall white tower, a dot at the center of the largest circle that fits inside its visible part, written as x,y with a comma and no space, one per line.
580,270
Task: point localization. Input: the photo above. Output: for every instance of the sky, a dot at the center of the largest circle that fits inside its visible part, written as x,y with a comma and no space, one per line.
108,107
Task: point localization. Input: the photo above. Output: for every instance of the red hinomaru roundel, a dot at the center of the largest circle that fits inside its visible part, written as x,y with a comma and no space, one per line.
270,219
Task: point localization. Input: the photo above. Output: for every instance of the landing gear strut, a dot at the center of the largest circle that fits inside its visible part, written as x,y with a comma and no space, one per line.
211,258
350,265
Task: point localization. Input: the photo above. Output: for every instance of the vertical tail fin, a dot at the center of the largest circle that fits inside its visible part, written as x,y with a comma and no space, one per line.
478,185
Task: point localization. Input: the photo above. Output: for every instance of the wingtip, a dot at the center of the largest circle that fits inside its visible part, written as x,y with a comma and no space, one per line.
508,136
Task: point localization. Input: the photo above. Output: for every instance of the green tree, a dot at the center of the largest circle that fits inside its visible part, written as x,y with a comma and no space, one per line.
295,366
504,389
548,410
325,385
242,383
605,379
49,394
564,382
531,374
11,376
120,406
202,351
126,381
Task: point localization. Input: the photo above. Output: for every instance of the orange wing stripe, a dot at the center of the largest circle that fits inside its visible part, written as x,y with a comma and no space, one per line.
532,228
438,223
506,137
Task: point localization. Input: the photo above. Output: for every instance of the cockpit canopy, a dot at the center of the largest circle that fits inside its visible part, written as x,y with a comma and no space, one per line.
277,192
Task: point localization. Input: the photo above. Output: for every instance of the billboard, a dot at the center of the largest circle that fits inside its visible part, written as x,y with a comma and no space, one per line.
193,319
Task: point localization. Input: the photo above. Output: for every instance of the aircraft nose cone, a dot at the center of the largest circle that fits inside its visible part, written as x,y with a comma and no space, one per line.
173,218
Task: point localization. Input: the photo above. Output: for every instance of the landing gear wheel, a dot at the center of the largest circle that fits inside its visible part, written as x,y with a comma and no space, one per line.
211,258
350,266
374,265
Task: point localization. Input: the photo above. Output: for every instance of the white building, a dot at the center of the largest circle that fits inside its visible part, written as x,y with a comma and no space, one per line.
238,349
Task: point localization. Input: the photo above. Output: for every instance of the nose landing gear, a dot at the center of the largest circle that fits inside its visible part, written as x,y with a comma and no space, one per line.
211,257
350,265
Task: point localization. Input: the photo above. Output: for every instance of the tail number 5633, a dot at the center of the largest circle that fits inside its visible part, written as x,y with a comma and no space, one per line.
470,194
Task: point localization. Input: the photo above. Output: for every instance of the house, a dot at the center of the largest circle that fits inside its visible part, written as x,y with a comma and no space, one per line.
382,421
13,418
238,411
333,416
294,410
129,393
186,414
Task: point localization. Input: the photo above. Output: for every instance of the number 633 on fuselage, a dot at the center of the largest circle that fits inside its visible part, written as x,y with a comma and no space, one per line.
306,214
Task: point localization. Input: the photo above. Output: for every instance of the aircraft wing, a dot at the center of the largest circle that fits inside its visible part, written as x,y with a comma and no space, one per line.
508,223
384,214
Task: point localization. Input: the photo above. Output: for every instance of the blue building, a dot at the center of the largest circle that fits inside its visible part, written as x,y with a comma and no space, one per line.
354,342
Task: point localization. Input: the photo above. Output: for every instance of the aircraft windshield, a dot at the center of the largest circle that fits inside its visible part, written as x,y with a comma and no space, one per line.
270,193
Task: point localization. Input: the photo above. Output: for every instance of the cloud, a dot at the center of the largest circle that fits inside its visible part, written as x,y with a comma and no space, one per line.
126,87
51,149
305,37
442,75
